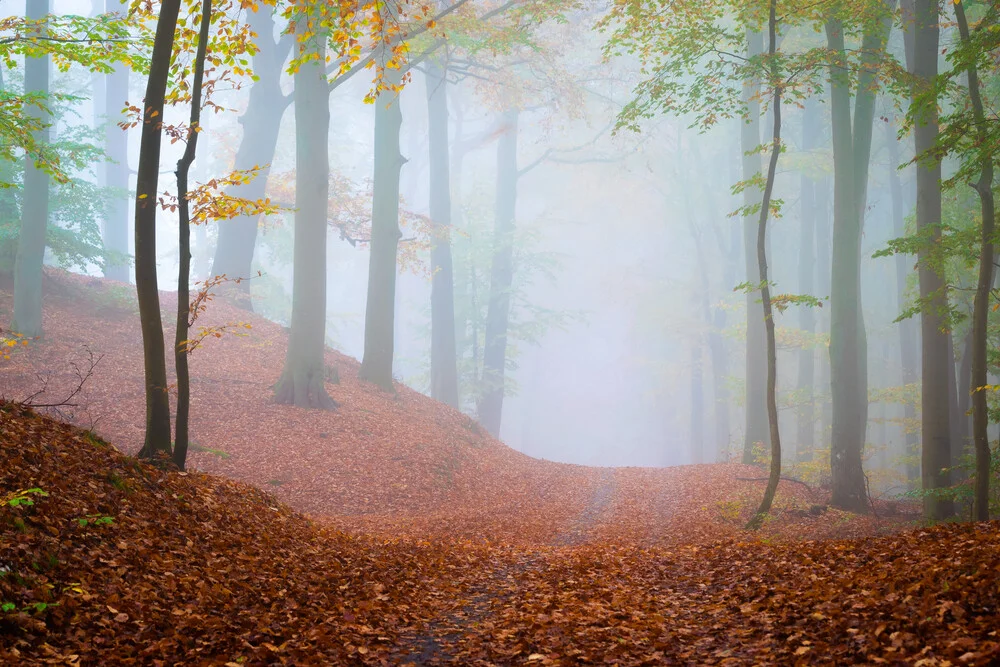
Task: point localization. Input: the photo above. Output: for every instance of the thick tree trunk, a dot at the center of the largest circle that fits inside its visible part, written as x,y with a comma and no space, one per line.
184,246
490,405
116,167
935,364
261,122
756,359
302,381
444,361
376,365
981,306
147,182
907,328
34,202
806,413
847,374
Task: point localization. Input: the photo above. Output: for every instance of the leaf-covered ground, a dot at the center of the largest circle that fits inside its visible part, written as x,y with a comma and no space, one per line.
426,542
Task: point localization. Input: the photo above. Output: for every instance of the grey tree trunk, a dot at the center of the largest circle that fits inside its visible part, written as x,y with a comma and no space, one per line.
444,361
376,365
806,413
302,381
147,180
34,202
935,364
907,328
756,360
116,167
261,122
490,404
978,340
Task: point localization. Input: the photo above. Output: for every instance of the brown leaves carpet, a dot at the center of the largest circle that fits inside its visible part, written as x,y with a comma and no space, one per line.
415,538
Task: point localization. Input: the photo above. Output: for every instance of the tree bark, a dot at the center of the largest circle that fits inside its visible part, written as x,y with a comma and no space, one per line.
981,305
490,405
444,361
907,329
184,246
34,202
765,288
756,361
116,94
376,365
302,380
261,122
147,181
806,413
935,364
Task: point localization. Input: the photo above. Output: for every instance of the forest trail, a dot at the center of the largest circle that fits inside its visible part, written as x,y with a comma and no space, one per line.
500,582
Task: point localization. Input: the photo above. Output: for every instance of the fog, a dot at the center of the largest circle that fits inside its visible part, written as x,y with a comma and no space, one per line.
626,253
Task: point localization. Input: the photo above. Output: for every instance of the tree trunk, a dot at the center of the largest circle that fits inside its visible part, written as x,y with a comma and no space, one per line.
490,407
935,364
806,413
302,381
824,271
376,365
147,291
184,246
261,122
116,167
444,361
847,376
960,426
765,289
34,202
907,328
756,360
981,305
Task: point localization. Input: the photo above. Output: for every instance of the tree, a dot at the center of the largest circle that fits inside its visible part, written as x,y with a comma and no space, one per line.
984,188
35,202
147,180
444,360
490,405
302,380
261,122
184,245
765,287
376,364
935,401
116,167
848,345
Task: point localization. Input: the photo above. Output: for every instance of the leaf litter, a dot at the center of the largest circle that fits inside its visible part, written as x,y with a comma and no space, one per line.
395,531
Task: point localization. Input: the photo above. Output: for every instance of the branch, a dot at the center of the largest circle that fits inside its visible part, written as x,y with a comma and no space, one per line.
553,151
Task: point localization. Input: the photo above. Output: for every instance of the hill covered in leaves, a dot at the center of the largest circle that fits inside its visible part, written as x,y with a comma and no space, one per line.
105,560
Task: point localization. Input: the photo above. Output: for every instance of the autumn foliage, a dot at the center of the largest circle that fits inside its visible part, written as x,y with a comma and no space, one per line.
427,541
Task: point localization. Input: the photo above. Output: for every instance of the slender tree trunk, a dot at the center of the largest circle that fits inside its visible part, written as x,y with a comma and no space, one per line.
756,359
806,414
981,306
907,329
376,365
184,246
116,167
302,381
935,364
960,402
34,201
765,289
147,182
490,406
261,122
824,272
444,361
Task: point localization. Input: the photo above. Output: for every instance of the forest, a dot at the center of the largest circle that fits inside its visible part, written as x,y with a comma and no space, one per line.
499,332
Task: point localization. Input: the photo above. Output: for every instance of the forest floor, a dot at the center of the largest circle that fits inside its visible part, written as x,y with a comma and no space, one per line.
395,531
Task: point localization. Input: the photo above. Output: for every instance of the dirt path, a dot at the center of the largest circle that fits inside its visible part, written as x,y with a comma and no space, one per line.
495,585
